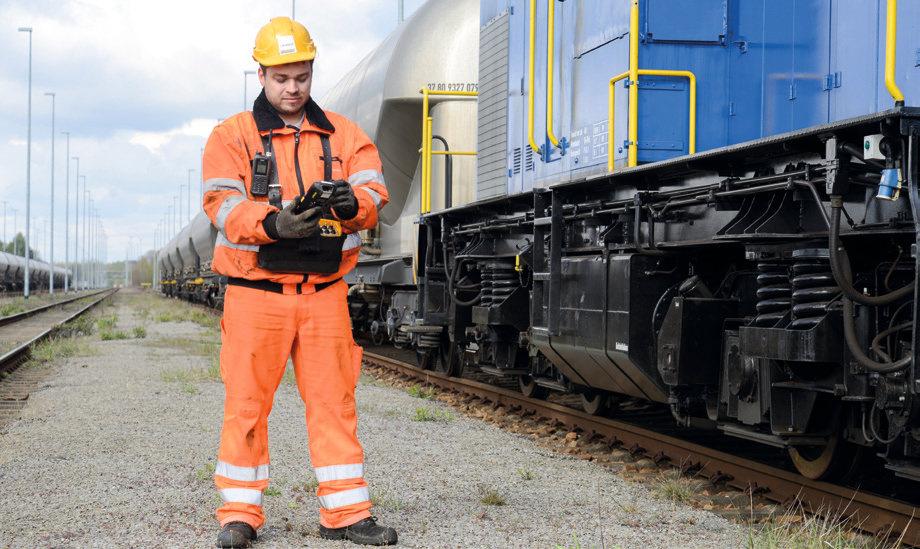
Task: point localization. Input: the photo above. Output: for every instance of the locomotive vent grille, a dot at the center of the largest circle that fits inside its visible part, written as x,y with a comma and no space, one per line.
516,161
492,162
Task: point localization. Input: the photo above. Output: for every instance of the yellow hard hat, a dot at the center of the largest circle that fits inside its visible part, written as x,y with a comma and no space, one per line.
283,41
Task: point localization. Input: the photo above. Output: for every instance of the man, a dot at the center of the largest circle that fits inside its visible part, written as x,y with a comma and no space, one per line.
285,297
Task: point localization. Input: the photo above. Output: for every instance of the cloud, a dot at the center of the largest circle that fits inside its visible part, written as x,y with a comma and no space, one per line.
139,85
154,141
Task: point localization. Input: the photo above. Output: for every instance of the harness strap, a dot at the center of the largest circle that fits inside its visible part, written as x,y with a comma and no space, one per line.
276,287
327,157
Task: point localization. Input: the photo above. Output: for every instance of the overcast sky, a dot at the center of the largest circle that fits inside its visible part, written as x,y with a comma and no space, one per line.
140,84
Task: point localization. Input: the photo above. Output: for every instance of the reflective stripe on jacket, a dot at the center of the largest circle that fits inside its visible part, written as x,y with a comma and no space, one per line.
238,215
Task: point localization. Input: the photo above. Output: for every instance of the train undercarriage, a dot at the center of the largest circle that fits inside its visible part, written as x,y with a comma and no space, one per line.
764,290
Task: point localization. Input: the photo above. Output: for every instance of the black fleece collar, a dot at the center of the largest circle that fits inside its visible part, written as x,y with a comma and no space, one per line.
267,118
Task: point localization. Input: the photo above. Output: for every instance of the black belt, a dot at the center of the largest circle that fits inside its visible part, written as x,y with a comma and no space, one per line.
276,287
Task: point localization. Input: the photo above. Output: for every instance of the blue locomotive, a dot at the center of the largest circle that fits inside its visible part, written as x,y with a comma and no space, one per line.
704,204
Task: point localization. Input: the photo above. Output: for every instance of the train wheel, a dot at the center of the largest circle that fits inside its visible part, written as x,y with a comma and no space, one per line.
378,338
426,359
530,389
834,459
450,358
596,403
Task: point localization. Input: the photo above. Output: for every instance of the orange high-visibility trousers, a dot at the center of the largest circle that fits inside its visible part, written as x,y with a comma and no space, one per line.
259,331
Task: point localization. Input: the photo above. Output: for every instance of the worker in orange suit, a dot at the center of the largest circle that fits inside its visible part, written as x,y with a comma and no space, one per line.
289,186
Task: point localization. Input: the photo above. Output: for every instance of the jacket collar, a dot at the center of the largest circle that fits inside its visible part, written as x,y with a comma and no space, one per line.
267,118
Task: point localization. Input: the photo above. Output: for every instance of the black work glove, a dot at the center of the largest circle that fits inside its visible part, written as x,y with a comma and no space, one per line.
343,201
288,224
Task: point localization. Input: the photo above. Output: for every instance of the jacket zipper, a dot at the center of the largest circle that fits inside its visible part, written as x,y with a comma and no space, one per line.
302,191
297,162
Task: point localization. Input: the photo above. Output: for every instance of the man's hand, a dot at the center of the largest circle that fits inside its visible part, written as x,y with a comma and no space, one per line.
343,201
297,225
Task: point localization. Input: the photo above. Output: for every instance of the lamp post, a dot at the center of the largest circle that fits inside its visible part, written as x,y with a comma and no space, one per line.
245,81
188,206
67,219
76,222
15,226
25,282
51,252
83,270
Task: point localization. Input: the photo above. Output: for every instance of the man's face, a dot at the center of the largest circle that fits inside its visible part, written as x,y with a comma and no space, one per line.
287,87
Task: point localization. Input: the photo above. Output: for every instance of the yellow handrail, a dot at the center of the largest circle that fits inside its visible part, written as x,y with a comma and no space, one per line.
634,132
426,151
632,152
891,52
530,77
550,55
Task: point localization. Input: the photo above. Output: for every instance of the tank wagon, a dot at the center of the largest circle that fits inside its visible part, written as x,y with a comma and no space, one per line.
12,269
707,205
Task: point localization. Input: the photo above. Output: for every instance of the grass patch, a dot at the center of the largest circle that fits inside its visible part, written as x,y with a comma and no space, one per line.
188,346
525,474
189,389
191,375
272,491
188,314
82,325
109,334
674,487
428,414
798,529
8,309
385,500
308,487
491,496
205,472
426,393
107,322
57,347
139,332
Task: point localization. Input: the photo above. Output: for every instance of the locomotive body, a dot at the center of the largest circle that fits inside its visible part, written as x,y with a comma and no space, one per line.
705,205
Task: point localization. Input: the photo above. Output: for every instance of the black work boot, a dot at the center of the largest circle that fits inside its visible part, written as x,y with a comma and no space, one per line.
365,532
236,534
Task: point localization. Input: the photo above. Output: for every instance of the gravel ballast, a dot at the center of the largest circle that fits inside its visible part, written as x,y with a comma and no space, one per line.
117,450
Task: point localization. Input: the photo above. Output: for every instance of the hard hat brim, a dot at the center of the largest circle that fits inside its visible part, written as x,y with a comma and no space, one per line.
275,60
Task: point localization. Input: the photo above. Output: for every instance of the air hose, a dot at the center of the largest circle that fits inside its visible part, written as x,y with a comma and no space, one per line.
840,265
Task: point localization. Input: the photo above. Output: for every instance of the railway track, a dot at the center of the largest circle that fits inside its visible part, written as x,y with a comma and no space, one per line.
27,328
872,513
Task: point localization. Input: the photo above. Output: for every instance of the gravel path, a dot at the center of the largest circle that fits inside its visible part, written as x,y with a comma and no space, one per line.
117,451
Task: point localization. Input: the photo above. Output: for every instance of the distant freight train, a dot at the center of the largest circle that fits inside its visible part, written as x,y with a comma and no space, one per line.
708,205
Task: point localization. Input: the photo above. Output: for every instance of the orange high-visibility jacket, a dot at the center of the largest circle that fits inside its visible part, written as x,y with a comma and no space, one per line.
245,222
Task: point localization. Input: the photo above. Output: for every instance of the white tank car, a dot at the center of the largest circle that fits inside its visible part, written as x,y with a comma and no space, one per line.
437,48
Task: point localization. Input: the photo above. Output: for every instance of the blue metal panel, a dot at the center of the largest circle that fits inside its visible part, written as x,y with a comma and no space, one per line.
907,73
746,55
811,62
686,20
664,117
854,58
777,77
601,51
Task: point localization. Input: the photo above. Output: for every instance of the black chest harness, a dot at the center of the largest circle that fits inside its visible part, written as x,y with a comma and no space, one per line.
319,254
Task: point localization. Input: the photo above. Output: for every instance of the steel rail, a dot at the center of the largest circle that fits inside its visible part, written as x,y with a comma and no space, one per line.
16,356
868,512
12,319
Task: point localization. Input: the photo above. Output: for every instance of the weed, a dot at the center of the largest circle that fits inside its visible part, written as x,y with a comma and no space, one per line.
189,389
9,309
107,322
205,472
426,393
525,474
385,500
139,332
801,530
490,496
672,486
82,325
272,491
311,485
427,414
59,347
143,313
187,375
108,334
